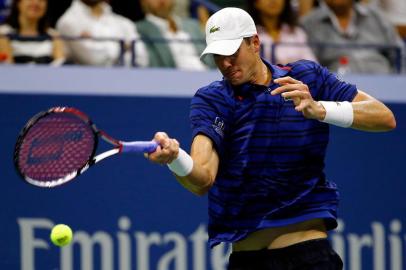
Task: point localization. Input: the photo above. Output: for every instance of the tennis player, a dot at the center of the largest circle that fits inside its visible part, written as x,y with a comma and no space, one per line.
260,137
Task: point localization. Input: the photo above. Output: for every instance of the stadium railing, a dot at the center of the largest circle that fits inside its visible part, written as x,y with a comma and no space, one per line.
396,54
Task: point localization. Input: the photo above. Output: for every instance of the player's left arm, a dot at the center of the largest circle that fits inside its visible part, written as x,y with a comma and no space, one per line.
368,113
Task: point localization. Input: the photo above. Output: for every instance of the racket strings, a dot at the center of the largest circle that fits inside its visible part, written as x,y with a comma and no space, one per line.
55,146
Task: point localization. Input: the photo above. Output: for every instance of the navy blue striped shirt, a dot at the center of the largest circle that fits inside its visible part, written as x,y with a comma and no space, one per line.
271,157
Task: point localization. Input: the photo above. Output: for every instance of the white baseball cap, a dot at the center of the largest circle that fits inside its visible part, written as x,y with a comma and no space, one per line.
226,29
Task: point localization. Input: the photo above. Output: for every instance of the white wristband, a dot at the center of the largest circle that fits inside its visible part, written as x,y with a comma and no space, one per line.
182,165
338,113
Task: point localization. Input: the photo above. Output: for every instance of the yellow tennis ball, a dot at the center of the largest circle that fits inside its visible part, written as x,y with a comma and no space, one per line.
61,235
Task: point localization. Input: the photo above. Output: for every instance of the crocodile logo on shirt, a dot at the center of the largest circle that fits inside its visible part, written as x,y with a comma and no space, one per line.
214,29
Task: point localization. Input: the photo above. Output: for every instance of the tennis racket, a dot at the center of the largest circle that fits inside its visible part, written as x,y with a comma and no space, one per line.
57,145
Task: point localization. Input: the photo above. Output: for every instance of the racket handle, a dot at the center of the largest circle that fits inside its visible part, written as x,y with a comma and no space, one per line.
139,146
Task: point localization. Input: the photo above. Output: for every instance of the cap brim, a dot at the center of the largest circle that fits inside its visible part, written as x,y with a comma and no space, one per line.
222,47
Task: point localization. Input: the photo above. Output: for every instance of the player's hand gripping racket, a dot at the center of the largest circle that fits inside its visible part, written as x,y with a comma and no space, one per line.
57,145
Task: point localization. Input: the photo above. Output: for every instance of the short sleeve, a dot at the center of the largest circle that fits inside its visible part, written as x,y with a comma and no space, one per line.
209,115
5,29
331,88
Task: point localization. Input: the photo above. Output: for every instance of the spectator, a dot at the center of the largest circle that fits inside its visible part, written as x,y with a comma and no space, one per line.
181,8
305,6
277,24
202,14
94,19
172,41
395,11
27,37
345,23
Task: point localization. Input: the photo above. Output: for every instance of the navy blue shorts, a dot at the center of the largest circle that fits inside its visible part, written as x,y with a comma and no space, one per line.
309,255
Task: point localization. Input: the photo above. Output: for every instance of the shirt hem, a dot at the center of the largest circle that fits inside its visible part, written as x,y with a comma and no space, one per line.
329,219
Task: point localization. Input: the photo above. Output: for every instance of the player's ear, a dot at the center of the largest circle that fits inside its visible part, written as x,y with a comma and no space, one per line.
256,43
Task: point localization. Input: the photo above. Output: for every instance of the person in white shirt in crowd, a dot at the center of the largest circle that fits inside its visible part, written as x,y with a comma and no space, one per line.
172,41
92,20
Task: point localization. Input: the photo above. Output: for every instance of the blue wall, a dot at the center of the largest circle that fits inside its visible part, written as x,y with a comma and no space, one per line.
135,212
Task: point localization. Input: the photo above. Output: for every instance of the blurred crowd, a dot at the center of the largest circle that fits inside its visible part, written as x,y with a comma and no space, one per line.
365,36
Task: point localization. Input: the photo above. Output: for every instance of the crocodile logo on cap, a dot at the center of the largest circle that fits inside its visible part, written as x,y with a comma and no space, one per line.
214,29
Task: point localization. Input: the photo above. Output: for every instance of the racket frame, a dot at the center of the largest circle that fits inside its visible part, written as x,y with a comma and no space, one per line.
92,158
118,146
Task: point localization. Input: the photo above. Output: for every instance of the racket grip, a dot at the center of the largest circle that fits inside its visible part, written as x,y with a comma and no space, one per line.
139,146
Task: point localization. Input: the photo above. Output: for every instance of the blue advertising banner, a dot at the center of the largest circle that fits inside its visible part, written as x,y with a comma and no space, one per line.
127,213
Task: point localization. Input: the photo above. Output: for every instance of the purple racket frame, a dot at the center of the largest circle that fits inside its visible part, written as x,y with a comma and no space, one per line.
118,147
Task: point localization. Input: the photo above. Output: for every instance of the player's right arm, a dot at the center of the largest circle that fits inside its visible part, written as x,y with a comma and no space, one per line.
205,166
203,154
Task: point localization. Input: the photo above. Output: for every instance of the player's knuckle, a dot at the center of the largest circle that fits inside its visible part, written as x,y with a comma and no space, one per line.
174,143
161,135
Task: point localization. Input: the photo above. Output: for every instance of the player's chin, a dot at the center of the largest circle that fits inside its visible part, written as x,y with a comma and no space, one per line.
234,80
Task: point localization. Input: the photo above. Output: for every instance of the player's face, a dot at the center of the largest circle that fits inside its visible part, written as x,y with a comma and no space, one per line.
32,9
239,67
270,7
